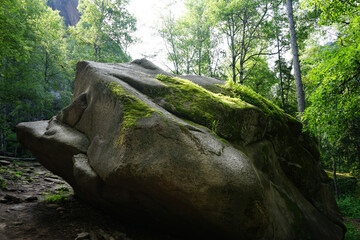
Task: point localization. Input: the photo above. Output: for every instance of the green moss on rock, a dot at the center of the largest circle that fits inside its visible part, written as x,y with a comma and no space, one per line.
226,116
250,96
133,108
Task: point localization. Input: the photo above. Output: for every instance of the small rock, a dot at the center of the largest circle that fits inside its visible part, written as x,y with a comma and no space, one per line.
53,180
122,236
93,236
31,199
17,208
30,228
83,235
14,199
53,205
60,209
2,226
17,223
4,162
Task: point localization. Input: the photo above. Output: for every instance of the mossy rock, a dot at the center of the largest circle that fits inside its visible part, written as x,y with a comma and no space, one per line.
195,155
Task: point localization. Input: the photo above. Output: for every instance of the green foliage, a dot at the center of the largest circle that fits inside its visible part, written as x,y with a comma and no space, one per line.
346,183
38,57
190,40
349,206
334,113
34,71
2,183
243,23
60,194
11,174
334,11
353,232
257,72
104,30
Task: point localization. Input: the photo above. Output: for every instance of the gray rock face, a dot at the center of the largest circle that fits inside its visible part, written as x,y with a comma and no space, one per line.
136,142
68,10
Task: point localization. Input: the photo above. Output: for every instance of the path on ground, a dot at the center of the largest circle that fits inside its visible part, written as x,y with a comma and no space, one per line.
37,205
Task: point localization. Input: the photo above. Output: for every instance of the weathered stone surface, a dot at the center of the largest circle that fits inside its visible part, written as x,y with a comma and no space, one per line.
68,10
157,147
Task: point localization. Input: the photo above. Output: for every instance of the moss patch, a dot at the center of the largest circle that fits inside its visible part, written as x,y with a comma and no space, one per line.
133,108
226,114
60,194
248,95
222,114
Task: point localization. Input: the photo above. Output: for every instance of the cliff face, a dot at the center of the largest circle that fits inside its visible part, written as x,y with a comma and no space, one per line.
68,10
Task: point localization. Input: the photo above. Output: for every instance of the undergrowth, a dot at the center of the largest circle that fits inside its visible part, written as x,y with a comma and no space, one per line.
349,204
60,194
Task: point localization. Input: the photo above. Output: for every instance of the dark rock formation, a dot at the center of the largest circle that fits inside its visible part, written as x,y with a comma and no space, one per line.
68,10
148,145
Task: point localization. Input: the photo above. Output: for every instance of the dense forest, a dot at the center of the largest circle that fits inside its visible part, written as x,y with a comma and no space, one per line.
302,55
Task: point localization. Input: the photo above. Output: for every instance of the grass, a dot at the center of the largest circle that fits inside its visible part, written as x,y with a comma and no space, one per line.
14,175
2,183
60,194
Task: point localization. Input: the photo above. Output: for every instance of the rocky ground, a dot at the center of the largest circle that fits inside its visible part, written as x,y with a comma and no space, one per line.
37,205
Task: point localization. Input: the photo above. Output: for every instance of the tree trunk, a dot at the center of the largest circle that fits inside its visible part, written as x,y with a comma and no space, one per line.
46,67
233,63
335,181
294,48
4,128
358,156
280,70
241,72
199,60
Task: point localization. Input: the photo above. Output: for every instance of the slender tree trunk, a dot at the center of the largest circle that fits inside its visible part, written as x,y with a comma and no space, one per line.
241,72
358,156
294,48
280,70
46,67
335,181
233,58
95,52
242,55
199,60
4,127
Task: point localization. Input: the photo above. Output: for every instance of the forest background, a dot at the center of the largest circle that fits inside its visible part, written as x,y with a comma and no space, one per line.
245,43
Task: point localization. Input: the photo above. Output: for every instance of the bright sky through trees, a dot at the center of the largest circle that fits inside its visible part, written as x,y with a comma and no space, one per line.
148,14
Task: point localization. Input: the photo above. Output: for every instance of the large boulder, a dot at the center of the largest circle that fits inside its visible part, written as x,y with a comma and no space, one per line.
187,151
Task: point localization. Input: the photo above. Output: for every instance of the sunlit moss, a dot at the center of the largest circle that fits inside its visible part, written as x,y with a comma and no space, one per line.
133,108
224,115
250,96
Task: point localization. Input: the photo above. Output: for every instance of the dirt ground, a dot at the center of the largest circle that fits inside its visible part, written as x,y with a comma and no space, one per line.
37,205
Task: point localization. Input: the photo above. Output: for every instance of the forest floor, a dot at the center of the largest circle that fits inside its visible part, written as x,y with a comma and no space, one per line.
37,205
